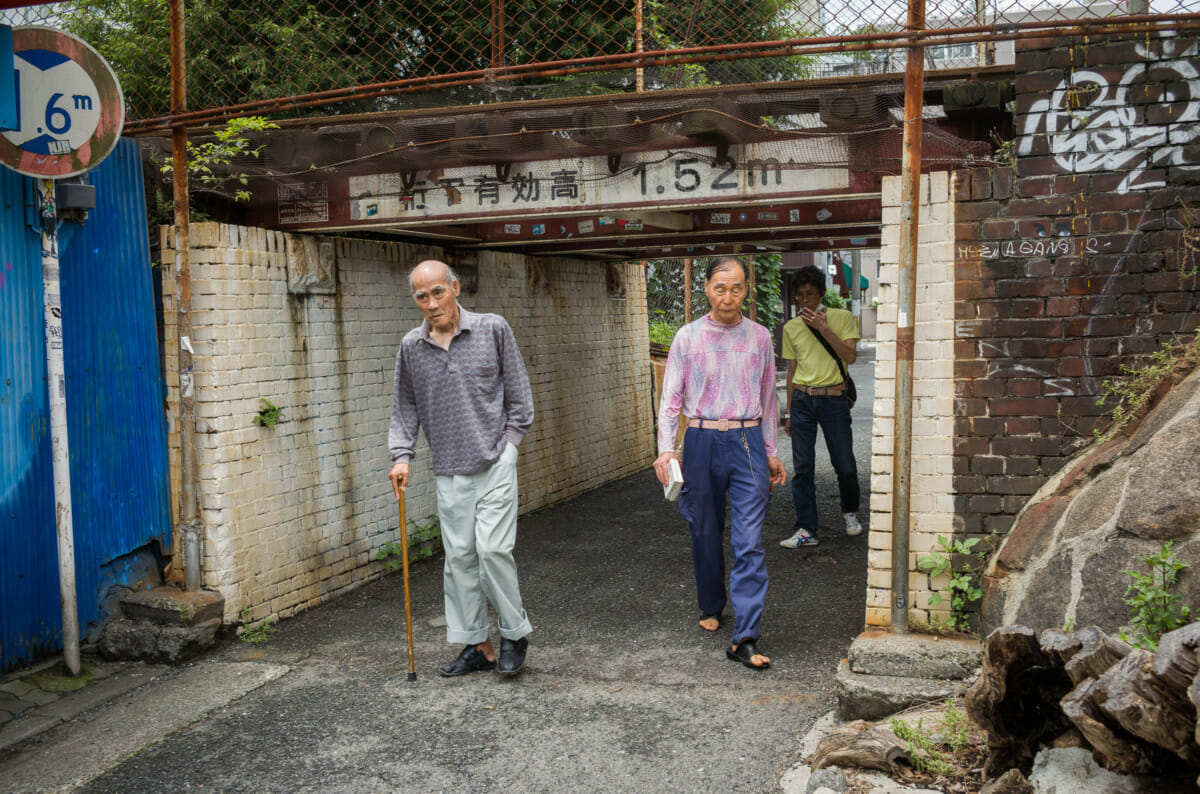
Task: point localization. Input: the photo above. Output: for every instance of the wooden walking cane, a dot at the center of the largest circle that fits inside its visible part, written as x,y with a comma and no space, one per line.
412,670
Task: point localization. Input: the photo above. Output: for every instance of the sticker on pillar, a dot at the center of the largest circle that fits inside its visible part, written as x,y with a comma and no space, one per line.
539,228
70,109
586,227
794,216
720,217
512,228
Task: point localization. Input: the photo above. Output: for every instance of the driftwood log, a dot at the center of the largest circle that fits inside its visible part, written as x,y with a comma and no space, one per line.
862,744
1136,710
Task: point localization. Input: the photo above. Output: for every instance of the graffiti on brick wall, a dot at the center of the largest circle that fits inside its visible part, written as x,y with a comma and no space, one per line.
1036,247
1002,363
1143,122
1004,366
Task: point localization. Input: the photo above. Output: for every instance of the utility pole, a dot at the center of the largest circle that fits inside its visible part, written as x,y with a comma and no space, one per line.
910,193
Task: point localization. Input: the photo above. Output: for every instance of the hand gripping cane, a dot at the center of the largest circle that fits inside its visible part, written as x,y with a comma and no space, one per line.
412,670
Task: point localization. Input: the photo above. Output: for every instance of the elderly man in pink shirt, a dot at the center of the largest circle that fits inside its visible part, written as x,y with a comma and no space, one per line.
721,371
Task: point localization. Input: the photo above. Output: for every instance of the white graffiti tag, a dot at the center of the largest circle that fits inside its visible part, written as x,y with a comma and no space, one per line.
1140,124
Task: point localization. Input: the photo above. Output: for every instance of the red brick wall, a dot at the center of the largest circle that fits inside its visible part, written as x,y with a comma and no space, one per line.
1072,261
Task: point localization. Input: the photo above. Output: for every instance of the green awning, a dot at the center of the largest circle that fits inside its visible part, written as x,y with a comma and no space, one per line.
848,277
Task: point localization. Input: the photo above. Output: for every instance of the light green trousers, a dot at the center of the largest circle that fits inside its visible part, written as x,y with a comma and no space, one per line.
478,513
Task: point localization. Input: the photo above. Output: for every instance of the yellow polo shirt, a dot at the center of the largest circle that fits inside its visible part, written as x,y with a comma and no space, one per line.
814,366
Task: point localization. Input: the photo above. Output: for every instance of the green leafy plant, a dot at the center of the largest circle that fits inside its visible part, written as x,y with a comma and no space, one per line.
423,539
268,414
1154,609
962,583
833,299
1005,152
209,162
662,332
255,633
1137,384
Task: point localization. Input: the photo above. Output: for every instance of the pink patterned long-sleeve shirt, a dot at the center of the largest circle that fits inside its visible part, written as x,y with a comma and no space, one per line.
719,371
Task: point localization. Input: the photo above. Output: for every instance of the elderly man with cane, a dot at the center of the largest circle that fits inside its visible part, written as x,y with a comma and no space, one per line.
721,373
459,375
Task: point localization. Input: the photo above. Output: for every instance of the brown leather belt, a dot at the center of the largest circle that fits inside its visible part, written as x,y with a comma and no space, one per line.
822,391
723,424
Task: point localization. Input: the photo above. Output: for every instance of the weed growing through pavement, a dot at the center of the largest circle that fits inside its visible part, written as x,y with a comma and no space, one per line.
257,634
418,534
947,749
923,752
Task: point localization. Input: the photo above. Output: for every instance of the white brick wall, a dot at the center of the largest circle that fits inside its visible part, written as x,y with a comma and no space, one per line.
931,504
294,514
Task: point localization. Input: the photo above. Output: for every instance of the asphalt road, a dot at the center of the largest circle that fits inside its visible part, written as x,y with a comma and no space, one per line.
622,691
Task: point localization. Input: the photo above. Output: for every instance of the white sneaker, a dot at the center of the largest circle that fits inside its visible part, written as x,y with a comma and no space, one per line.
803,537
852,526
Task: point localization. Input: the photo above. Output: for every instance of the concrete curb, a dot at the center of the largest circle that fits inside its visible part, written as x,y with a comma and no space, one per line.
127,725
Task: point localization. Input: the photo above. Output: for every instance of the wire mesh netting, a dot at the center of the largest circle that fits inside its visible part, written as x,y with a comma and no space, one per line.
307,54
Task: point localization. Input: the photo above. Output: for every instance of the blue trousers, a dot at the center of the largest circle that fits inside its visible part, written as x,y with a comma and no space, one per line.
833,415
715,464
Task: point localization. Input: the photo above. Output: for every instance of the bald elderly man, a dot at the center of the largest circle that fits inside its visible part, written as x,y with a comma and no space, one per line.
460,376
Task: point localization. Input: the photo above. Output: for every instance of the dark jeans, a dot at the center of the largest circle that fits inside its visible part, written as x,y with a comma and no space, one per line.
833,415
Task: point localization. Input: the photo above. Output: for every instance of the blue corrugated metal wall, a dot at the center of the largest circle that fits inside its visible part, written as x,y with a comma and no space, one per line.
115,415
30,618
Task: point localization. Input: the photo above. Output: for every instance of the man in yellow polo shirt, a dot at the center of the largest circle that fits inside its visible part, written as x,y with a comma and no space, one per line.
816,394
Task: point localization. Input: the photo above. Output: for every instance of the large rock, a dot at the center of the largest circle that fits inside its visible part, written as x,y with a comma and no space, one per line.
163,625
1074,770
1064,560
128,640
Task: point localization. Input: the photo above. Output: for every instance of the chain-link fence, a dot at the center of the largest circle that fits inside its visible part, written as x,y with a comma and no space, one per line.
304,57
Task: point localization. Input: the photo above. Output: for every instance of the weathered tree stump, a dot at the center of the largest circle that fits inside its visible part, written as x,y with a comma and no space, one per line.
861,744
1149,707
1016,699
1137,711
1176,660
1085,653
1118,751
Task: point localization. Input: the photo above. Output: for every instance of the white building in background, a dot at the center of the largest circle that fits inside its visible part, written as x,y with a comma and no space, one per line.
852,16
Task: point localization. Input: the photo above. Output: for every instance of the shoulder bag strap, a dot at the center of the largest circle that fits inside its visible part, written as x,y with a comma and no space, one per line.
829,349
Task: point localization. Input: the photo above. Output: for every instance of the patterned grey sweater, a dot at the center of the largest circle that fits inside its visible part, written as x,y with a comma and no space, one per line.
470,399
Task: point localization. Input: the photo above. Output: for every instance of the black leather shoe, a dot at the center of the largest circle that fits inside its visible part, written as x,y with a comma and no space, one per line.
512,655
471,660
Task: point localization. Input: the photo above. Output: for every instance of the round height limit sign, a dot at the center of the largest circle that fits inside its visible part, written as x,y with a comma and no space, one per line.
70,107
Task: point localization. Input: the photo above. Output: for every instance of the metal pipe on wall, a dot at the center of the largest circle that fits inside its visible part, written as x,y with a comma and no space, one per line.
906,304
188,504
56,381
